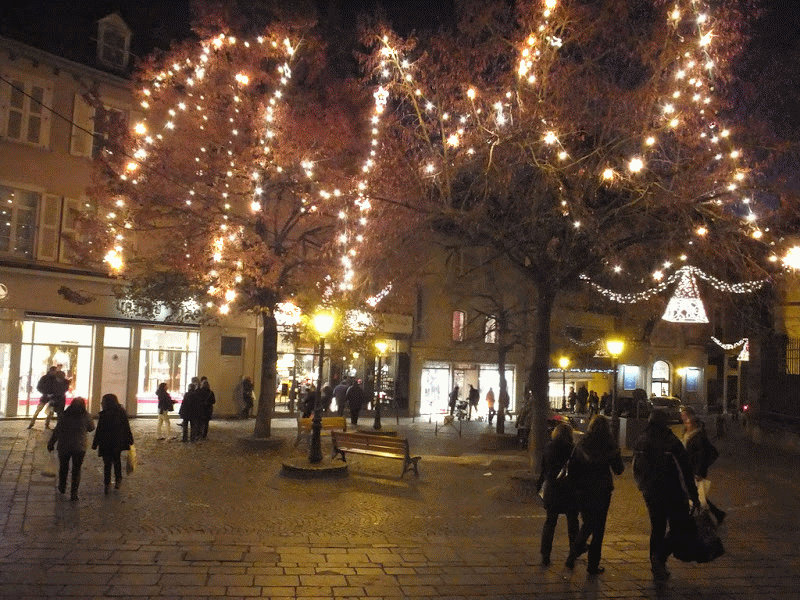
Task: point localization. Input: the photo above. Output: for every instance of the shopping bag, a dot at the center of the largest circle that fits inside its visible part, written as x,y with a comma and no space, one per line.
50,466
130,462
695,538
703,487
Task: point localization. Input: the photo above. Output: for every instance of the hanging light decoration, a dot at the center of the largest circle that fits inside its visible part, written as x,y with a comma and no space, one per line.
686,306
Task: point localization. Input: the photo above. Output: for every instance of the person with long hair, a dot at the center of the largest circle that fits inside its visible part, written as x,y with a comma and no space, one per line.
701,454
558,493
597,455
112,437
70,434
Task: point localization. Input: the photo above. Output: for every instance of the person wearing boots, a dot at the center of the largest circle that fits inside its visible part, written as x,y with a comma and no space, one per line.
655,456
702,454
112,437
70,434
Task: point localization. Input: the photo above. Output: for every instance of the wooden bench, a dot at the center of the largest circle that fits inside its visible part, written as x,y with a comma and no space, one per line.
374,445
328,424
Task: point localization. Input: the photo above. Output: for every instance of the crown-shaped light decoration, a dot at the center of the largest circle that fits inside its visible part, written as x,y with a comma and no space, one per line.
745,353
685,306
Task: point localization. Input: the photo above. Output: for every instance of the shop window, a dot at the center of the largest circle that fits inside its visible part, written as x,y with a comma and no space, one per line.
659,378
630,377
166,355
459,322
692,379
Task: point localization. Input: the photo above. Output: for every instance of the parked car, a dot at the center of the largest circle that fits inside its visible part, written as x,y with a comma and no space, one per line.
671,405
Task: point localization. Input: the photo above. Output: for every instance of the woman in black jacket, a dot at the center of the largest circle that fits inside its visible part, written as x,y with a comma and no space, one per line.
112,437
701,454
558,494
596,456
70,433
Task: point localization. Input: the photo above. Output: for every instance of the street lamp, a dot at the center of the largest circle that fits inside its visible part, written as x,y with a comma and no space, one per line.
563,362
323,323
614,347
381,347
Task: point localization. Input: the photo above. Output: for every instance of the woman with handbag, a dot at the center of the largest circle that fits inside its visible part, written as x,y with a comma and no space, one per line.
597,455
702,454
557,489
165,405
112,437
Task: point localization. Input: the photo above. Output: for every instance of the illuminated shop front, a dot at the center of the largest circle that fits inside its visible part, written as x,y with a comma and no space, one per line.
128,360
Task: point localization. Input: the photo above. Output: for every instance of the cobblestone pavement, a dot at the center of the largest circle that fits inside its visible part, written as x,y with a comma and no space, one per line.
216,519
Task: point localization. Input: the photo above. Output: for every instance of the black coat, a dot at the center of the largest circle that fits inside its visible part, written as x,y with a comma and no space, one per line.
71,430
701,451
113,433
164,400
561,495
592,467
355,397
655,470
192,406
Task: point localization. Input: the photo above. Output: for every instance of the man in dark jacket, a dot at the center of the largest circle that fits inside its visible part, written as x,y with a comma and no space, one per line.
340,395
355,400
70,435
658,456
45,387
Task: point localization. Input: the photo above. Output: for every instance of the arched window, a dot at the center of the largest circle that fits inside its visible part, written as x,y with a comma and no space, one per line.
459,321
659,379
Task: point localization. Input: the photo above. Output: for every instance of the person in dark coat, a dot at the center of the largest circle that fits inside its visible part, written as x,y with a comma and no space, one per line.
473,398
70,434
165,406
657,455
327,398
452,400
113,436
559,496
583,399
58,396
597,455
45,387
340,394
191,411
701,454
309,402
207,402
355,400
248,397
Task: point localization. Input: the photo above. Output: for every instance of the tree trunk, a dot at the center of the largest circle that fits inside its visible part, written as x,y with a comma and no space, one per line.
503,392
269,376
539,377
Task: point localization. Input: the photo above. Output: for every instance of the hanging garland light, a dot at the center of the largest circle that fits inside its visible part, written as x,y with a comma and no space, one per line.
686,306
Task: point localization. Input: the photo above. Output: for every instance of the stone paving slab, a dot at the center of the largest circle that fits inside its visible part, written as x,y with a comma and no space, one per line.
215,520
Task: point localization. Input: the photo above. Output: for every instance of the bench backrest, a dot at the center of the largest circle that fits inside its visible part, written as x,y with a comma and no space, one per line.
327,423
367,441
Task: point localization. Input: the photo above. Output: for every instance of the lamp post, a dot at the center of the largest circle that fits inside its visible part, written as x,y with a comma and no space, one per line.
614,347
563,362
381,347
323,323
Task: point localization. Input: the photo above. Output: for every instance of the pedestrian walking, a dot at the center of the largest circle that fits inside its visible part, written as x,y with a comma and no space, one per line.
355,400
559,495
490,404
658,454
191,413
702,455
70,434
597,455
58,397
453,400
112,437
165,406
572,399
340,395
473,397
583,399
207,402
326,398
45,386
248,396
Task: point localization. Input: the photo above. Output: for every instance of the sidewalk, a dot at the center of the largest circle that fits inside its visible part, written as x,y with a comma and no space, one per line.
213,520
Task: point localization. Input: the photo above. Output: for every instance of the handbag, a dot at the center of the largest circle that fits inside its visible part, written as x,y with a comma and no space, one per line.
695,538
130,462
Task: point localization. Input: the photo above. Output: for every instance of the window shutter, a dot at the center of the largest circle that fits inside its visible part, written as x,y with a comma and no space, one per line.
82,128
49,220
69,229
